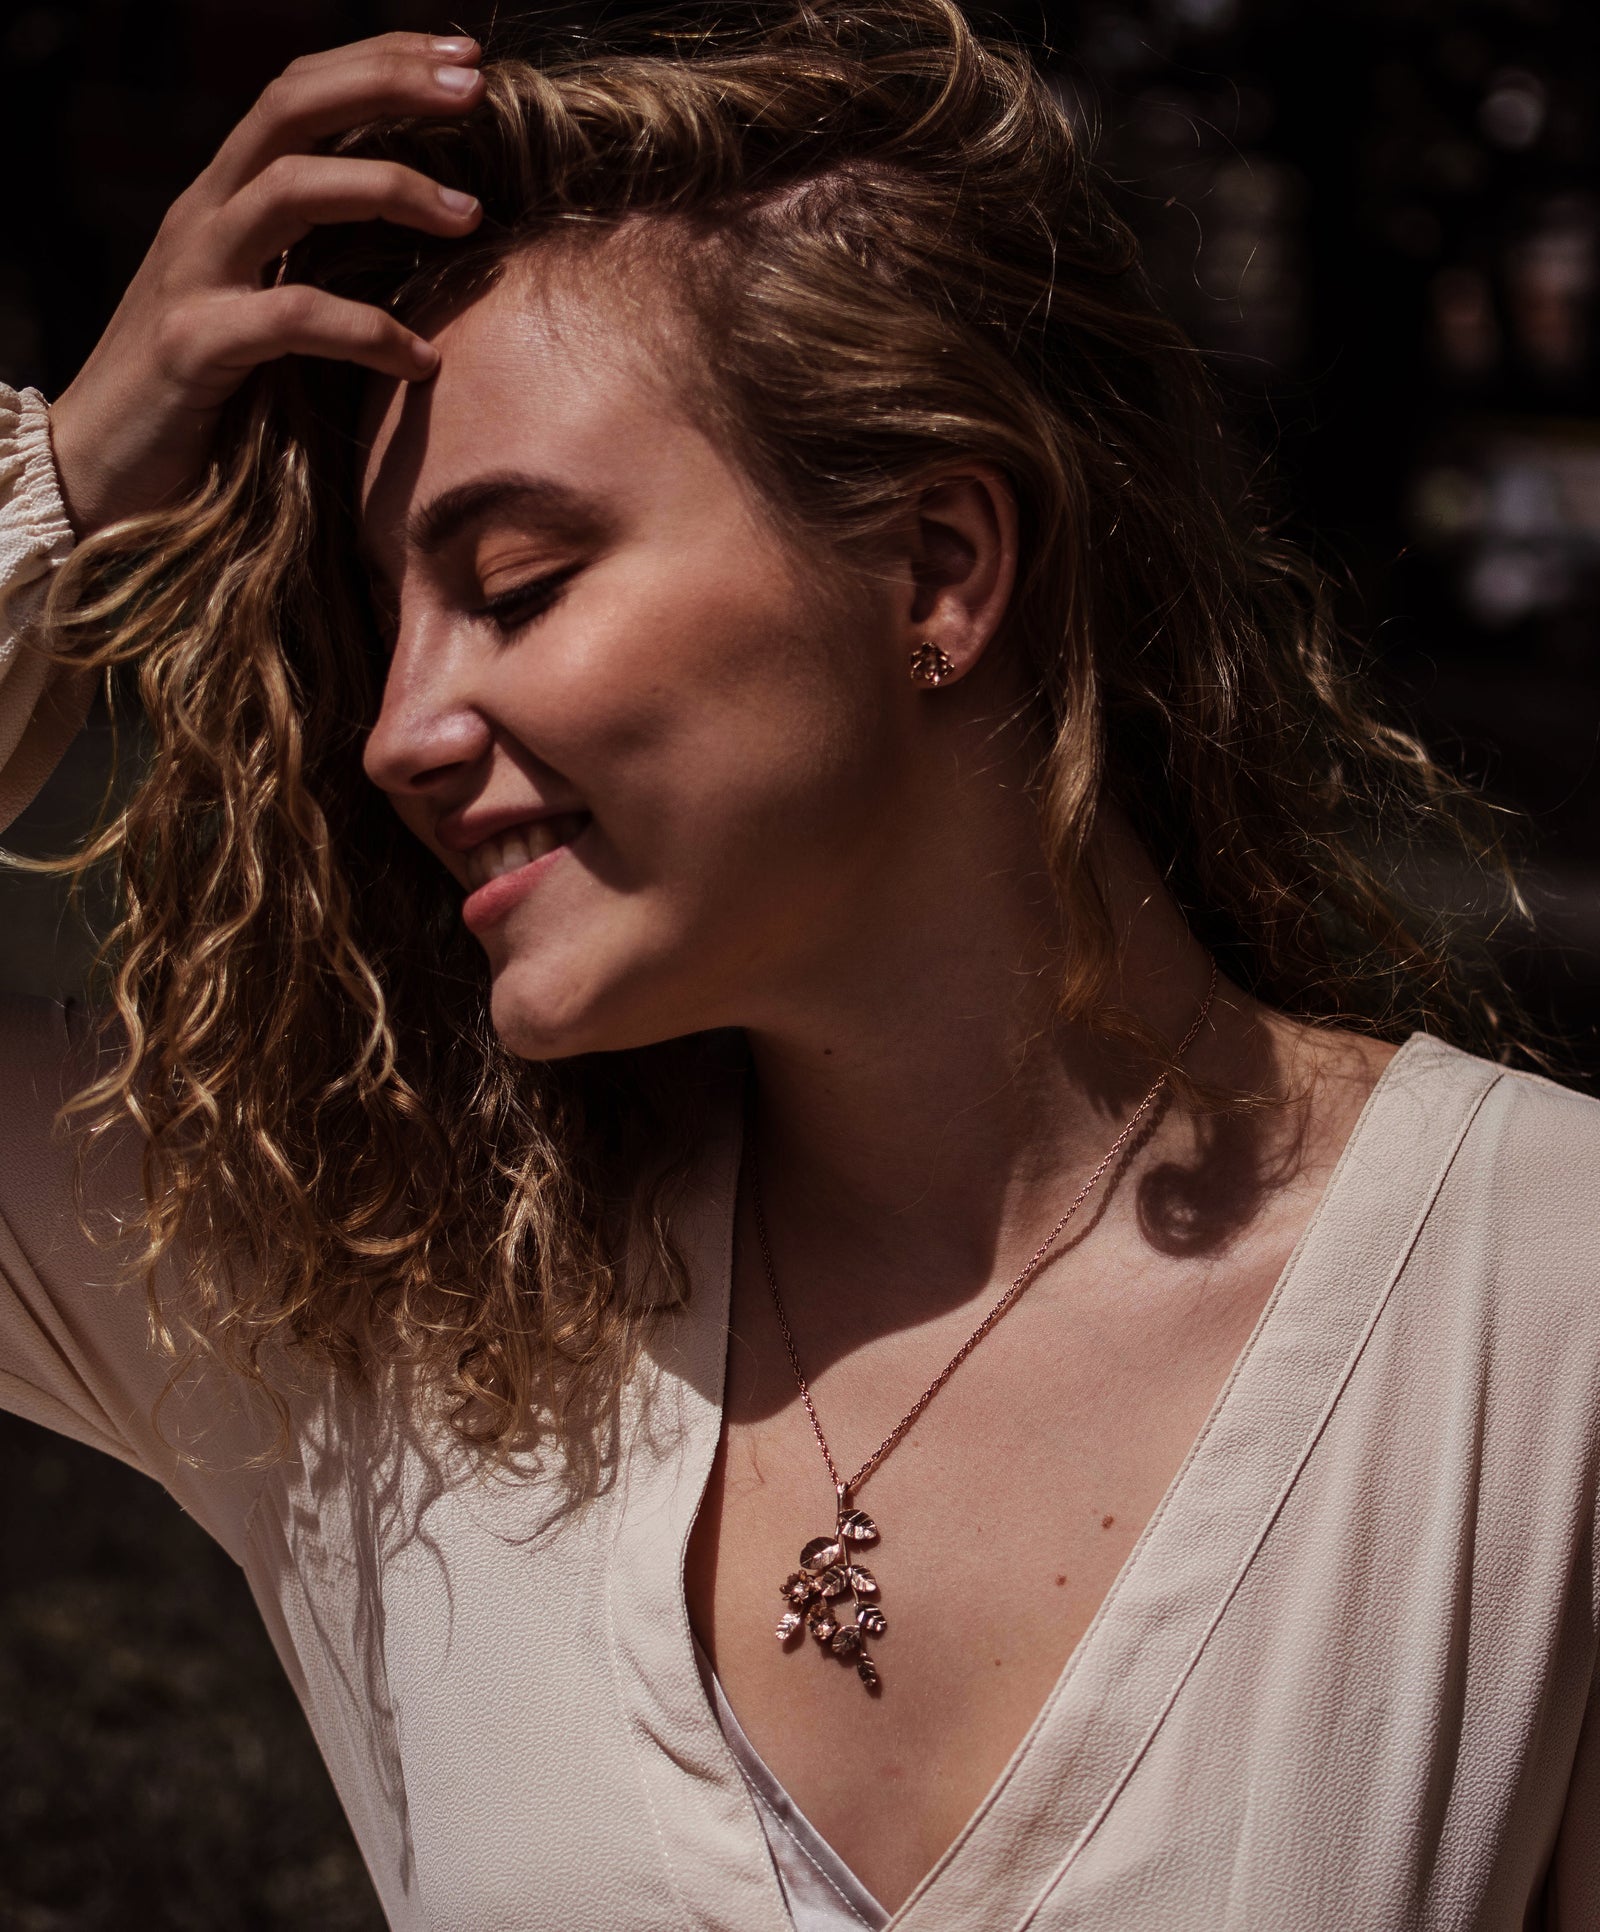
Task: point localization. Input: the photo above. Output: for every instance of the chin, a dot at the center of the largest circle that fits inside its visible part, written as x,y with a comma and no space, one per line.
535,1021
533,1030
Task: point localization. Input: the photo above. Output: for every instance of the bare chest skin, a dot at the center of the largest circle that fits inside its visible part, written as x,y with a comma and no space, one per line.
1005,1515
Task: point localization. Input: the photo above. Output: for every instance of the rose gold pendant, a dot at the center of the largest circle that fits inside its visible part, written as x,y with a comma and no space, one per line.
831,1585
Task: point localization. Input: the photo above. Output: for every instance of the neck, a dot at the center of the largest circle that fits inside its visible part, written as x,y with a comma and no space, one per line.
929,1115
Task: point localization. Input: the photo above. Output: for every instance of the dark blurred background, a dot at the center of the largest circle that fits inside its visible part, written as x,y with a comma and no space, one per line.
1381,219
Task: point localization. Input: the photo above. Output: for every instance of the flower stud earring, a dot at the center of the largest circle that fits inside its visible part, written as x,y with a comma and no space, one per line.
930,665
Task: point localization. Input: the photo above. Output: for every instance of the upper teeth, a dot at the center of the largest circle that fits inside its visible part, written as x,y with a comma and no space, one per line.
520,846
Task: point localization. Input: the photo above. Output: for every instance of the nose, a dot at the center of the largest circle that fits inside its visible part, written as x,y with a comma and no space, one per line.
428,731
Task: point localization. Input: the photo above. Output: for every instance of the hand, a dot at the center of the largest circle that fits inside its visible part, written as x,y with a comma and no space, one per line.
134,429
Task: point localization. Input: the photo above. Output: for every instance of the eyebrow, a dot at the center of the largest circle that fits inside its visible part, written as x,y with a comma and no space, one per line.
536,499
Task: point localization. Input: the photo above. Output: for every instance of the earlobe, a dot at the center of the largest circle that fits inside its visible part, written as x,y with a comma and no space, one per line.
964,566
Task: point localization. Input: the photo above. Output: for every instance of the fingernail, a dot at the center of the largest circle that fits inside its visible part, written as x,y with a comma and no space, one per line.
424,355
453,44
455,80
457,202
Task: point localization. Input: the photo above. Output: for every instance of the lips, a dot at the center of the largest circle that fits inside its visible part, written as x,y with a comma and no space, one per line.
520,845
507,865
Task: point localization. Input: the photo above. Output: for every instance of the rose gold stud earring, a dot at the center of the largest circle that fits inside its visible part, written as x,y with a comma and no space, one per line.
930,665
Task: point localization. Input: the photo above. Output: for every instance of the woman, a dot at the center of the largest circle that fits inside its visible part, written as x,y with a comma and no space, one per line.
809,1212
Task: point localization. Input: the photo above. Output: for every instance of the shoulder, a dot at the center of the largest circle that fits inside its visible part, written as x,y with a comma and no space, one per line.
1532,1144
1511,1228
1523,1118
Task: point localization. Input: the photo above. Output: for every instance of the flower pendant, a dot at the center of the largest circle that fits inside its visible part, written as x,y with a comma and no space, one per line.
831,1586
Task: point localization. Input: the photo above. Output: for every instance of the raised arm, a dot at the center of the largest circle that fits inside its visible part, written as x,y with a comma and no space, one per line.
132,434
133,430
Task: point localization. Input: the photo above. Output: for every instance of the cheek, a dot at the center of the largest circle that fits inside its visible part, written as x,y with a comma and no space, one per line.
737,735
697,694
739,790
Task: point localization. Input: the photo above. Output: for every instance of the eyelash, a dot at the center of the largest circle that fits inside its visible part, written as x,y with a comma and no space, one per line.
526,603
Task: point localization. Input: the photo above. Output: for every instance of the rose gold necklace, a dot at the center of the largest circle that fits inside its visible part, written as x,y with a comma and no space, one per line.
830,1570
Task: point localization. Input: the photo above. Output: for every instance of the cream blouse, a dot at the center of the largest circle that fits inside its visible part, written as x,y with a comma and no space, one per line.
1344,1680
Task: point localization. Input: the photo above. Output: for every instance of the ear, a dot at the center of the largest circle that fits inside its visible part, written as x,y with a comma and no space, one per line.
962,542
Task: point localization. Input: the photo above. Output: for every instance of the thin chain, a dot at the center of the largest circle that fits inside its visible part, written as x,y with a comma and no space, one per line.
1029,1269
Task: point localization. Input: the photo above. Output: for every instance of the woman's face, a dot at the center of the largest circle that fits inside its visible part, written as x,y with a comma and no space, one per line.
662,781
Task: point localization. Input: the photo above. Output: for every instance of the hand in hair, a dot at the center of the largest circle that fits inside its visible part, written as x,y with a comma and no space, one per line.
134,428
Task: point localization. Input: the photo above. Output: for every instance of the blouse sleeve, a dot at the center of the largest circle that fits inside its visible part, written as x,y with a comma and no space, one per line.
76,1351
42,706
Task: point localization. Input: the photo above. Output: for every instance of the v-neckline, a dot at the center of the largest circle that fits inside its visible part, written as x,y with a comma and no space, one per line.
1112,1694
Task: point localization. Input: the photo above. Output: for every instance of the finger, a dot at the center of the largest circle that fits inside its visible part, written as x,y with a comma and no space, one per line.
209,347
453,49
290,197
447,45
305,104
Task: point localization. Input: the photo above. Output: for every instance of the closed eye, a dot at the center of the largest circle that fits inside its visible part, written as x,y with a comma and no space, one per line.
509,610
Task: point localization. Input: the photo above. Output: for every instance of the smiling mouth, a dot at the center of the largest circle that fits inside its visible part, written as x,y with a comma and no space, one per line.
521,845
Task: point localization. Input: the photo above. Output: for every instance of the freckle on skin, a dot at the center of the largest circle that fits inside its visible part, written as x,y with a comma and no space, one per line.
1060,1580
1107,1521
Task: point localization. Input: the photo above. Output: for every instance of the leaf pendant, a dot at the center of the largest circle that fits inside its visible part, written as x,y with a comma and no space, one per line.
828,1583
856,1526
